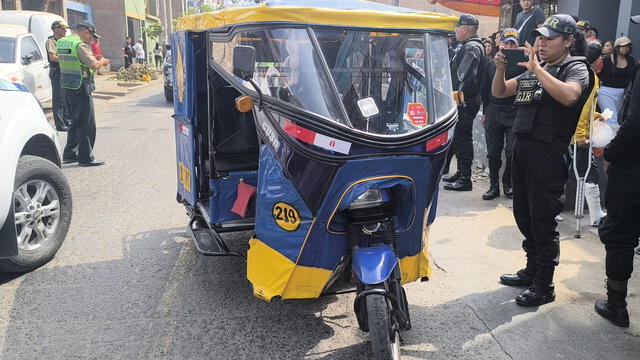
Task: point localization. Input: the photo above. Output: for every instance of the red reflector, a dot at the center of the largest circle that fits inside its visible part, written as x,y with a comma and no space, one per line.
437,141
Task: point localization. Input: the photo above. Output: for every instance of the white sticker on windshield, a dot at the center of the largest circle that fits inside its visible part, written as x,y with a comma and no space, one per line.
368,107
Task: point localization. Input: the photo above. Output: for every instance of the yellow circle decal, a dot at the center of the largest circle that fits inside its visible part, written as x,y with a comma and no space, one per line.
286,216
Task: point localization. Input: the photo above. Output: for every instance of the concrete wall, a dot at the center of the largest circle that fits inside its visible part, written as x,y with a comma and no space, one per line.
110,21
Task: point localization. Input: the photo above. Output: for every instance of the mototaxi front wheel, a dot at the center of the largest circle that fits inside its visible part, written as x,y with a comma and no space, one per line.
384,337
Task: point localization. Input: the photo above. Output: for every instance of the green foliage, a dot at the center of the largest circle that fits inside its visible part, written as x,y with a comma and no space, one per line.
153,31
205,8
136,72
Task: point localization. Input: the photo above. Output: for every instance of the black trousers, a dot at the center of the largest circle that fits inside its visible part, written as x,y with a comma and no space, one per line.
499,136
57,100
81,136
582,163
539,172
463,135
127,62
620,229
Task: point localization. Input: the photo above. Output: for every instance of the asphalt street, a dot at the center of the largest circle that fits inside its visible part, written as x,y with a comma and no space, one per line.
128,283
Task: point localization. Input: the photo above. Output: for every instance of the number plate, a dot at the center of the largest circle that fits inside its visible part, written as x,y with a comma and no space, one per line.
286,216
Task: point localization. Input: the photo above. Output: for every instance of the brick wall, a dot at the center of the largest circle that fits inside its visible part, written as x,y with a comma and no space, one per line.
111,23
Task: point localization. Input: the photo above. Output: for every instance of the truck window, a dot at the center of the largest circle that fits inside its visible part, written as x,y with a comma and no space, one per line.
28,46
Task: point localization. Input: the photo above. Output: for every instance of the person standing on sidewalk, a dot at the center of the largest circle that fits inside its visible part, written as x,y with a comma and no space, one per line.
549,100
127,52
59,117
528,20
77,64
466,71
498,116
157,55
617,72
620,229
138,48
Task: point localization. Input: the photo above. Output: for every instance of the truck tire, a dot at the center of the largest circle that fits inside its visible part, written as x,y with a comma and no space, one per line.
42,209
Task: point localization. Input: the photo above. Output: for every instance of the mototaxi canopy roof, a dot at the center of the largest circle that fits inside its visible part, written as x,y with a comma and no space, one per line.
356,13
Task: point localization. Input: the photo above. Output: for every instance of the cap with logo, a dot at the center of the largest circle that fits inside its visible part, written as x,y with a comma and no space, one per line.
59,24
557,25
622,41
584,25
468,19
509,34
87,26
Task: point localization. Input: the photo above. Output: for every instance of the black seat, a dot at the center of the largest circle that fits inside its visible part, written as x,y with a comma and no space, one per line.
234,134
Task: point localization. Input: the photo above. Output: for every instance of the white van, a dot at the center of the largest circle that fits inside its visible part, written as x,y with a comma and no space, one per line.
23,57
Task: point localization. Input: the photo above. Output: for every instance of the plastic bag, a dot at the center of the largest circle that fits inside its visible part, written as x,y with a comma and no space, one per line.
602,134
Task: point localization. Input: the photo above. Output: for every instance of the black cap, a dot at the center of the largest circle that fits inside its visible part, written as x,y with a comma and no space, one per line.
59,23
594,51
584,25
635,19
468,19
557,25
89,26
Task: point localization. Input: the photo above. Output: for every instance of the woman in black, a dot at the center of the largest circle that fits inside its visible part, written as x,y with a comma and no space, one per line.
549,98
617,72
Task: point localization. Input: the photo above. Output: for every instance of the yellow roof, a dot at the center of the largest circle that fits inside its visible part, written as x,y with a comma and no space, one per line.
368,17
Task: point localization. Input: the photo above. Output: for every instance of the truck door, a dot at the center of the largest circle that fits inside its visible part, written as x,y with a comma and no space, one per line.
35,69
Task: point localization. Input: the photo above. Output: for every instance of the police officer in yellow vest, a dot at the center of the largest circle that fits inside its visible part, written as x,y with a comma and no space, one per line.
77,64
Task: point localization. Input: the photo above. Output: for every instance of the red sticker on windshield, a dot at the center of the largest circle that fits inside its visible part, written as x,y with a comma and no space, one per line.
417,114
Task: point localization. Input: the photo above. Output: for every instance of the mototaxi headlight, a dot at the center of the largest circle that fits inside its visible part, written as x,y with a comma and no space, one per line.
369,199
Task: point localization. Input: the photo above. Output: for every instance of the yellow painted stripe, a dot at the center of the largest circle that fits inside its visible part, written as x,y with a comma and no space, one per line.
417,266
321,16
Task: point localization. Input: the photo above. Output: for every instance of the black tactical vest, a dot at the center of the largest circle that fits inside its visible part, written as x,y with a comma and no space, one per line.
543,118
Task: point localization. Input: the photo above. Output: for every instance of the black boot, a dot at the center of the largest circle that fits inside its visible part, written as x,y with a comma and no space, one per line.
493,192
451,178
538,294
542,291
614,308
462,184
524,277
508,190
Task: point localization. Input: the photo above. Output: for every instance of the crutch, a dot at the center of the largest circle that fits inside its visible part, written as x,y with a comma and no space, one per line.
580,180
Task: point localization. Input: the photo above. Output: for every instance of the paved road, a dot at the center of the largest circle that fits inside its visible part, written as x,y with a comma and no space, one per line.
127,284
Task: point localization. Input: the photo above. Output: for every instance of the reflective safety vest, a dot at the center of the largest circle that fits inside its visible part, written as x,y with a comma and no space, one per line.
71,68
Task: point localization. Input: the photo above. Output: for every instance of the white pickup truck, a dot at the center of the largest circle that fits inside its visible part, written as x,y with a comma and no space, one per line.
35,197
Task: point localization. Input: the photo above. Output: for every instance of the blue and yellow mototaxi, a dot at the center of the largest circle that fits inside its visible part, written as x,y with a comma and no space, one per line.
323,127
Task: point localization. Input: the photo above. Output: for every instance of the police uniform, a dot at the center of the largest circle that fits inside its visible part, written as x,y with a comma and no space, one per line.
61,121
466,74
543,128
500,114
77,82
620,229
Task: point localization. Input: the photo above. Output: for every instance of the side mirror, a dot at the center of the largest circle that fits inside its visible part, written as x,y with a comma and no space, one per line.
244,61
27,59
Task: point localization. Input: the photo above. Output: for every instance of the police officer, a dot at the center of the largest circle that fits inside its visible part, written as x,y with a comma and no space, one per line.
466,68
620,229
59,31
549,100
498,116
77,64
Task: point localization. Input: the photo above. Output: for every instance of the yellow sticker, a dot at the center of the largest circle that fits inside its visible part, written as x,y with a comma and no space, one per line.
184,176
286,216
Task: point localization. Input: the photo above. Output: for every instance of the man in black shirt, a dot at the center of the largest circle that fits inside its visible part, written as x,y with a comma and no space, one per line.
127,52
498,117
466,75
528,20
620,229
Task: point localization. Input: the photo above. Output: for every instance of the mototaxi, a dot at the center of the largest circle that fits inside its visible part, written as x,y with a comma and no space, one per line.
322,126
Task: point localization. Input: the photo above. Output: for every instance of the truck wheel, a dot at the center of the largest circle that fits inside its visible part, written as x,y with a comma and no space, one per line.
168,93
42,211
384,346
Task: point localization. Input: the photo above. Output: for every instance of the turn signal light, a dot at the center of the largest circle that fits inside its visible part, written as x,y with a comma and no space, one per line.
458,96
244,104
